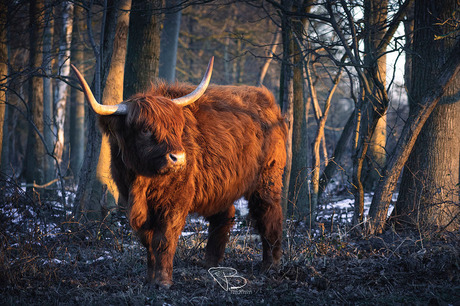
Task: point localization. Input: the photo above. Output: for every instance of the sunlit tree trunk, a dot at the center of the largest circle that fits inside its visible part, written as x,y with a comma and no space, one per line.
60,99
90,191
143,46
429,192
35,152
375,14
372,106
169,41
77,98
113,94
361,124
437,77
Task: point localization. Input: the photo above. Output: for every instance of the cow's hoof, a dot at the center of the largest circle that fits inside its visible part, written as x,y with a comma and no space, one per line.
211,261
269,266
209,264
163,284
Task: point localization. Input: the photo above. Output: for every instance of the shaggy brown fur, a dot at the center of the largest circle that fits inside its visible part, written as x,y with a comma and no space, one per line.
234,144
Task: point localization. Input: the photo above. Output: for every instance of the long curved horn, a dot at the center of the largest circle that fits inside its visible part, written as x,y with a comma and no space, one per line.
100,109
199,91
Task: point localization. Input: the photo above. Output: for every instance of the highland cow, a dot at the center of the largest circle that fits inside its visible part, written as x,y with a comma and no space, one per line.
174,152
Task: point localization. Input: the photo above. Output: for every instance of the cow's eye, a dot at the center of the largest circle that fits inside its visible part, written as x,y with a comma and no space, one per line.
146,132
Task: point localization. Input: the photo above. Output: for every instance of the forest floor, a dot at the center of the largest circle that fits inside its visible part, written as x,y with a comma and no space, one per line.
104,264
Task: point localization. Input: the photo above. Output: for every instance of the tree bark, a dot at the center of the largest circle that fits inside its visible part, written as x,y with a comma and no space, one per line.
48,90
77,98
60,99
417,118
408,45
339,152
3,75
298,184
169,41
375,16
299,195
287,98
373,106
35,152
142,59
113,94
429,194
89,192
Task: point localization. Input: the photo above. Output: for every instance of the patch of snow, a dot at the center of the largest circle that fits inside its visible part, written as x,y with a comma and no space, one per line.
100,258
54,261
242,206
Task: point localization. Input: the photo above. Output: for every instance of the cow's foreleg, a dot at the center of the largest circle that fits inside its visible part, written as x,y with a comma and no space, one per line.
164,243
219,228
145,237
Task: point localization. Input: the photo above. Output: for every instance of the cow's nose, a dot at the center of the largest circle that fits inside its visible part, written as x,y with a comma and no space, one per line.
177,158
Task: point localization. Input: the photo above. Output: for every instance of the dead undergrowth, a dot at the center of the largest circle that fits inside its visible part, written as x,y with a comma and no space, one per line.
103,264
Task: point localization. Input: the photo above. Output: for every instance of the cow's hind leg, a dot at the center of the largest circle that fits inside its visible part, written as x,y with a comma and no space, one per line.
268,219
219,228
265,208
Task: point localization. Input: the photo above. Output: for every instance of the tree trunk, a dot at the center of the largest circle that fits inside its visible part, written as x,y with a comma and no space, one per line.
143,46
89,192
417,118
371,110
298,185
169,41
287,98
375,15
299,195
339,152
113,94
60,99
376,108
429,192
77,105
48,90
35,152
3,75
409,37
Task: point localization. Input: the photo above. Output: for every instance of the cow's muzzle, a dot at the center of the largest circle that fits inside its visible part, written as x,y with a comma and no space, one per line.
176,160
